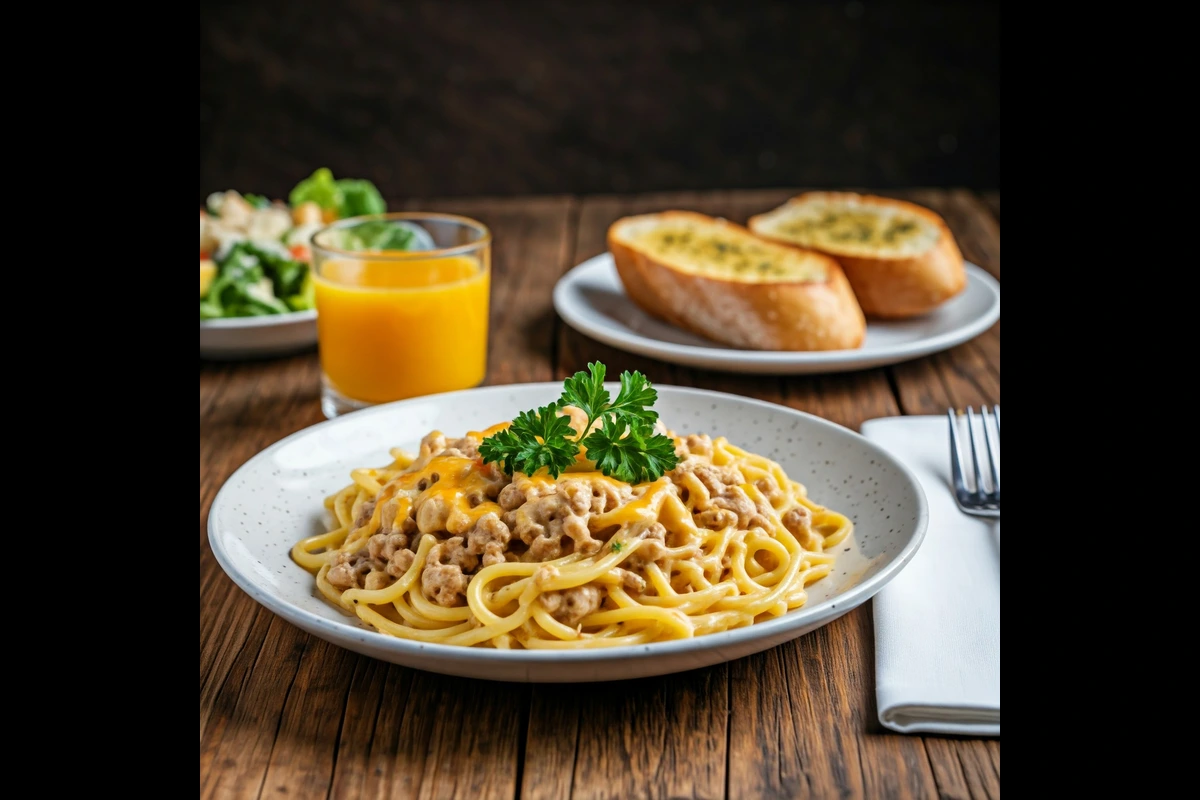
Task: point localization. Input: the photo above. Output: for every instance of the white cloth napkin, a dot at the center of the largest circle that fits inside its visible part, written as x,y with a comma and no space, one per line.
937,623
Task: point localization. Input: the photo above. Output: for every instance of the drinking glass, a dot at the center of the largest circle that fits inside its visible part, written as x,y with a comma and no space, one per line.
395,323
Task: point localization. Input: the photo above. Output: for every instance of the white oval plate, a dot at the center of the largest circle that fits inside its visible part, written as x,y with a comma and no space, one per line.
591,299
258,337
276,499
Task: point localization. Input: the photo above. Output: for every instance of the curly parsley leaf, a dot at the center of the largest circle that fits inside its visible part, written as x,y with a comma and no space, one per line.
624,446
635,398
630,452
535,439
586,391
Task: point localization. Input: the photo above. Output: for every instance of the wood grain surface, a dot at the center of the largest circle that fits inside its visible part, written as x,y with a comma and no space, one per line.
284,714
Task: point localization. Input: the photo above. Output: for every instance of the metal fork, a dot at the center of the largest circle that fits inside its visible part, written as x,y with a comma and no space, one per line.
980,501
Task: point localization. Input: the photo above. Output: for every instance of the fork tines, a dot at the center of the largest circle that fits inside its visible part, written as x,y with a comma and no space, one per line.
983,497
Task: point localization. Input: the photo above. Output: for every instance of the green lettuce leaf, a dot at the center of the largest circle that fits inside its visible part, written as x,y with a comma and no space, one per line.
359,198
349,197
250,282
319,188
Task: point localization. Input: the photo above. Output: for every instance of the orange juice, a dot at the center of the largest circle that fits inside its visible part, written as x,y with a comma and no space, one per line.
394,329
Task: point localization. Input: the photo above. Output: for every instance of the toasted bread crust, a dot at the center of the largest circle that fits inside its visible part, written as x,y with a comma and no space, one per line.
888,286
819,315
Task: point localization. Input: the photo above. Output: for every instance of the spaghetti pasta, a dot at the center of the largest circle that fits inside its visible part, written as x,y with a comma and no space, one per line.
441,547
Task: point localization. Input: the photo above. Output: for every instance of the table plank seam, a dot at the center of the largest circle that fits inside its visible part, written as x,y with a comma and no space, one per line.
924,740
337,742
963,768
522,743
977,347
894,384
307,639
566,258
574,760
225,678
728,727
965,375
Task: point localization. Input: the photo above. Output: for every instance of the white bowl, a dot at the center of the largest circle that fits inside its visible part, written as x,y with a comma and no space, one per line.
276,499
257,337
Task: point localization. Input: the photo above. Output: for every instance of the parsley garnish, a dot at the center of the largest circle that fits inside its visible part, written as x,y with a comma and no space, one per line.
624,447
628,452
616,547
535,439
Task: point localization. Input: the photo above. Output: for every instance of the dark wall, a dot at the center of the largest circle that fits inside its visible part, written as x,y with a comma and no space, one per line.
460,97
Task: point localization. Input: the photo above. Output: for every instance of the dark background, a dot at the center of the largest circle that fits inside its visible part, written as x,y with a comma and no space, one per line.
470,97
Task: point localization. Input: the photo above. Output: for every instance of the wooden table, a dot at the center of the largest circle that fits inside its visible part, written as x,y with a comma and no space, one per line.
284,714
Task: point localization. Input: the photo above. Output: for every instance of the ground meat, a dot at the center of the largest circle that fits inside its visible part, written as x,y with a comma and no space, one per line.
364,514
798,520
546,541
598,497
511,497
488,530
738,502
749,514
654,546
519,492
452,551
342,576
578,495
544,575
716,519
493,553
377,580
717,479
466,447
769,488
632,582
401,561
431,512
551,601
385,545
696,445
547,545
652,550
433,443
444,584
348,569
496,481
576,528
572,605
387,515
544,520
443,579
539,524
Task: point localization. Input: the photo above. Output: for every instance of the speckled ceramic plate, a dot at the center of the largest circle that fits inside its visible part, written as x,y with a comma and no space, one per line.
592,301
276,499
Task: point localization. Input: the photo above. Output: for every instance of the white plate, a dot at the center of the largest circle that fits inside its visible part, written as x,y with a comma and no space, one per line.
592,301
276,499
257,337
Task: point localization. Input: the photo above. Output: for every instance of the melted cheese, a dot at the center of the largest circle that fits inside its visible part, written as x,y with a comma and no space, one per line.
458,480
855,228
718,252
